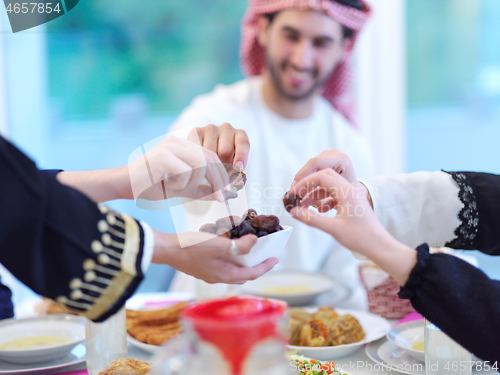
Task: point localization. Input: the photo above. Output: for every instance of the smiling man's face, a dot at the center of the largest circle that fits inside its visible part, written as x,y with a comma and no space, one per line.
302,49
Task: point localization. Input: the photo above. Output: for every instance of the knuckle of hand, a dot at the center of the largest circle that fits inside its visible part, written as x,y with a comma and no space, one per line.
211,128
243,142
225,153
242,134
226,126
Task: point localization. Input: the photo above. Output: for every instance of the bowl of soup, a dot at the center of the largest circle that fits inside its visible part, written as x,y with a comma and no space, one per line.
295,287
410,337
40,339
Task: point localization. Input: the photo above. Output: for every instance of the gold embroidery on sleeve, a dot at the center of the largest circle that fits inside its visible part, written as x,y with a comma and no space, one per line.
108,276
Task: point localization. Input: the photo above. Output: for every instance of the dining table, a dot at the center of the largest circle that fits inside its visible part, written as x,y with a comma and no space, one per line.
357,363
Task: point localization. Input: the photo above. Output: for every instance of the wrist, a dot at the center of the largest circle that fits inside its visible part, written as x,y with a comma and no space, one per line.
163,250
396,259
122,187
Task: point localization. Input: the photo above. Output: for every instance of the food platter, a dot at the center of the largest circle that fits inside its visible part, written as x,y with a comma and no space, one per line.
156,302
375,327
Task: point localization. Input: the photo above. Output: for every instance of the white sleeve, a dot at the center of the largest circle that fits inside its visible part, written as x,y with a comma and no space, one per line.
418,207
149,244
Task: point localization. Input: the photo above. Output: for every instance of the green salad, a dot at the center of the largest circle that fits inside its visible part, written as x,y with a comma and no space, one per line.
314,367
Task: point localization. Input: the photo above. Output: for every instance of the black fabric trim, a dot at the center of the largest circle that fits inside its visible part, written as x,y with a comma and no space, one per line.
407,291
467,231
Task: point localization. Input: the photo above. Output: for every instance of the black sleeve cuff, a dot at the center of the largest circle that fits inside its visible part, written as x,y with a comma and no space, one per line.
407,291
480,195
52,172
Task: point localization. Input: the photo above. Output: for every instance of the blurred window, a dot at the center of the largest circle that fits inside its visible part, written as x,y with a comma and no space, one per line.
109,56
454,90
453,85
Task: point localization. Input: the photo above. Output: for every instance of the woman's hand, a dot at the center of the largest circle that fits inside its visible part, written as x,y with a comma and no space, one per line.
177,167
333,160
355,225
209,260
355,221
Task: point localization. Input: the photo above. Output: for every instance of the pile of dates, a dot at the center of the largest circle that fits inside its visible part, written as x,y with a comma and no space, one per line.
236,227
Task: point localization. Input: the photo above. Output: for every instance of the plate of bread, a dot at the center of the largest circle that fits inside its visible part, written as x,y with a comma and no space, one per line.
148,329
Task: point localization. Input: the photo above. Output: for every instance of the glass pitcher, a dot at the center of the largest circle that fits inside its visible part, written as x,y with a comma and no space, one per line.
105,341
232,336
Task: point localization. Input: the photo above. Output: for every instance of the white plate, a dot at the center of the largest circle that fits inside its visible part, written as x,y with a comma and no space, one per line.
146,347
406,334
152,301
374,326
392,358
75,357
160,300
315,283
266,247
71,327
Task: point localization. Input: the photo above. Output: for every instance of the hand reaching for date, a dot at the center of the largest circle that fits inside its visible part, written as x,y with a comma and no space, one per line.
231,145
333,160
355,226
177,167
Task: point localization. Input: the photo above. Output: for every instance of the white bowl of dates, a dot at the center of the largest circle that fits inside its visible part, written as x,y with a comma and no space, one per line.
272,237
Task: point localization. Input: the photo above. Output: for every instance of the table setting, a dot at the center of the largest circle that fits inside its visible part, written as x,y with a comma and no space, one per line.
386,347
305,308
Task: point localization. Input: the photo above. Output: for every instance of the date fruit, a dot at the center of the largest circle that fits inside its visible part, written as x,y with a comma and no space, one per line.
266,222
209,228
237,179
249,214
228,222
223,232
290,201
246,228
231,193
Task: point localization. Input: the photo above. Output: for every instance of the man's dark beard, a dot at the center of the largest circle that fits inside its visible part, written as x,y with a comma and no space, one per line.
281,90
